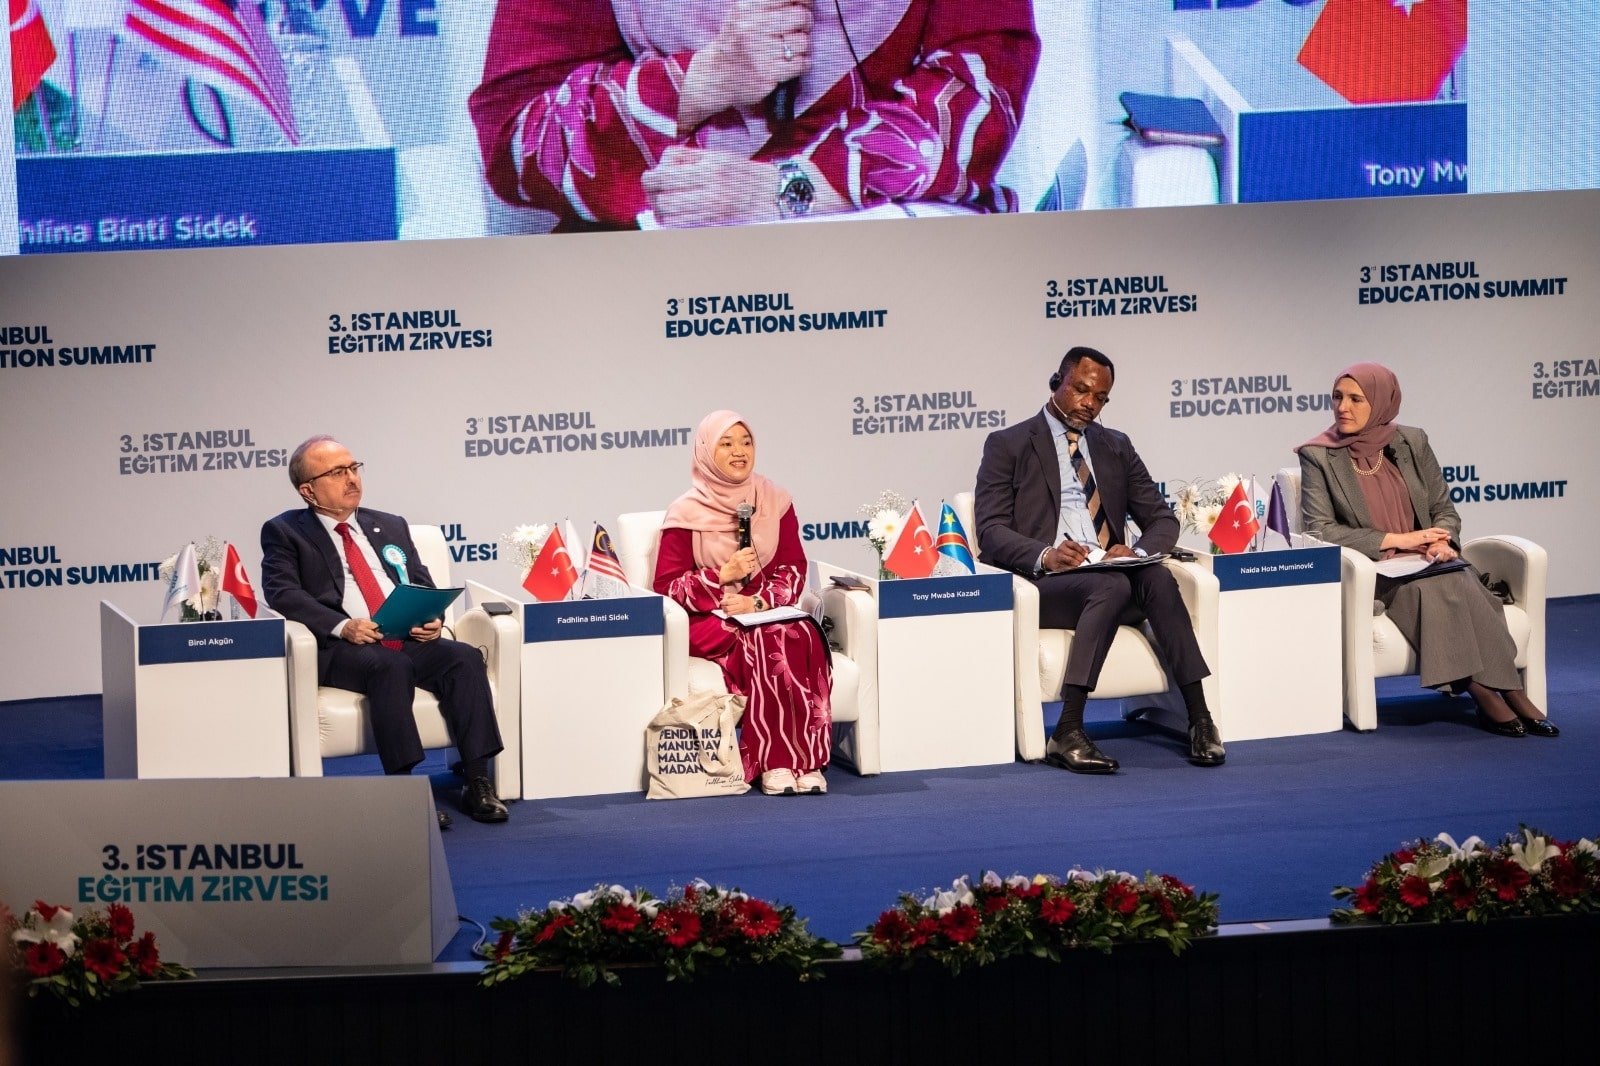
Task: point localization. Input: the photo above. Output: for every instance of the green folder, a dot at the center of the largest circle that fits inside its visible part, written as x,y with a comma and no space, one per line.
409,606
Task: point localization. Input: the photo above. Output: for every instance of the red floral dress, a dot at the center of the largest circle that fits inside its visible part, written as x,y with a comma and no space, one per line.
781,669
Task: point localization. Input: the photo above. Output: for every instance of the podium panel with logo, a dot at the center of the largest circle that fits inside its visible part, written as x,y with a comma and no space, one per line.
1278,619
945,669
592,678
196,699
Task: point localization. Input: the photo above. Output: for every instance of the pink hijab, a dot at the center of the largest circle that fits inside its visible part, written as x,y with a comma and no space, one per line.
1382,390
710,507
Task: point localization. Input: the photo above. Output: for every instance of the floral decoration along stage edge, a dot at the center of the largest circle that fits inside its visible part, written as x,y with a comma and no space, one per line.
697,928
1438,880
82,958
1041,916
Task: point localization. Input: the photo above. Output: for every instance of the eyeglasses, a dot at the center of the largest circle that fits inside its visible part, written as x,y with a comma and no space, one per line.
341,472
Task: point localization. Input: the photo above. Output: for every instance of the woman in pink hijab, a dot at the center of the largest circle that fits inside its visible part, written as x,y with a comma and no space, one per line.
781,668
1374,486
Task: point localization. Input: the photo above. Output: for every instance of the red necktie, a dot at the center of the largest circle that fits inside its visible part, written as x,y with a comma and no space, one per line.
365,581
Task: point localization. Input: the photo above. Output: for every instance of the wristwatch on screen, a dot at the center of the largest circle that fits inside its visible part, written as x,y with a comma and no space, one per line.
795,191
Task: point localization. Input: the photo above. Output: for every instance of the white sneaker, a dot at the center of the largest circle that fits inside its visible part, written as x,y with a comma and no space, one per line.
812,783
778,782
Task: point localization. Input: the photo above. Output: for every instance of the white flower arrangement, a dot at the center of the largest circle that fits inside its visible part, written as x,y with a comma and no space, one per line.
1199,502
884,516
524,543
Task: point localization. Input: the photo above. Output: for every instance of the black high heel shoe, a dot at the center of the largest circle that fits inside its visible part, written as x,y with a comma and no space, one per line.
1513,728
1538,727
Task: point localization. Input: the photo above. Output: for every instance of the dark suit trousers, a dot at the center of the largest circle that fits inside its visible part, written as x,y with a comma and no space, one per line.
1094,604
452,671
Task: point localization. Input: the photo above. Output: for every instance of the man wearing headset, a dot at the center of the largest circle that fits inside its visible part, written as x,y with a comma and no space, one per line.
1054,493
329,566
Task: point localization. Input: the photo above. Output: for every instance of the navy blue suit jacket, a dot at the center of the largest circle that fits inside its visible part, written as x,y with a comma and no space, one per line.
1017,502
302,569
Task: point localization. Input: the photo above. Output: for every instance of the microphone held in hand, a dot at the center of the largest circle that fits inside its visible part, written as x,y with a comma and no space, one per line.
781,100
745,512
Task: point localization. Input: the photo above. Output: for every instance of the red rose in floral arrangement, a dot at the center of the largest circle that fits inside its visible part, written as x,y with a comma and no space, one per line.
991,904
923,931
144,955
103,958
43,959
890,928
680,925
1566,880
1506,878
551,928
1057,910
1367,896
620,918
1120,898
961,924
120,919
1404,855
1414,892
1164,907
1458,891
1177,885
756,918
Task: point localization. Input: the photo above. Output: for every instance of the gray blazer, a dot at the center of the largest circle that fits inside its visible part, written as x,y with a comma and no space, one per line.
1333,508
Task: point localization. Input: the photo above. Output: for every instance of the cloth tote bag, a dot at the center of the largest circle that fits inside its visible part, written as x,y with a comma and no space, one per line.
691,748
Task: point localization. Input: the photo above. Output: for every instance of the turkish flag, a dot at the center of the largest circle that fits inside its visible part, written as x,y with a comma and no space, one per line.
1386,51
1237,525
552,574
236,583
32,50
912,554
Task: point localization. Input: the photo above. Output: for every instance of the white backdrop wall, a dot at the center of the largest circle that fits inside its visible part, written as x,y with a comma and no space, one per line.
1223,368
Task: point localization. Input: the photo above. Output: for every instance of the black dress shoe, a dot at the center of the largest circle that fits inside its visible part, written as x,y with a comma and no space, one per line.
1073,750
444,819
480,803
1512,728
1205,744
1539,727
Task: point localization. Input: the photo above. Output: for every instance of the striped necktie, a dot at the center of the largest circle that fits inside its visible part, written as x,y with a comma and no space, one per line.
1091,491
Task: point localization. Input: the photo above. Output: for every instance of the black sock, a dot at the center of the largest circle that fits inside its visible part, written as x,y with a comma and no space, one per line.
471,768
1194,700
1073,697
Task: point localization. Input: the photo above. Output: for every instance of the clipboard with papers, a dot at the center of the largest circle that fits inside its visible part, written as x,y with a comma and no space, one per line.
409,606
1122,562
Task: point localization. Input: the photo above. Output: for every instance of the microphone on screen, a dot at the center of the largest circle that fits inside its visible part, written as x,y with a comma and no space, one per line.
782,100
745,511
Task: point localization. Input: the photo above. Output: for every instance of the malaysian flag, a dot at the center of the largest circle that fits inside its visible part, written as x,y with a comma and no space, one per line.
223,47
604,580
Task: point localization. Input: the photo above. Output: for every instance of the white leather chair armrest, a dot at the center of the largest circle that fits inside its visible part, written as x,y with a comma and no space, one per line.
675,649
1025,647
853,617
499,638
1525,567
1202,595
1359,591
305,727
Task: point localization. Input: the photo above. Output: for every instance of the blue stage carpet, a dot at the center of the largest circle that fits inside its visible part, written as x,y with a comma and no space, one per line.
1273,831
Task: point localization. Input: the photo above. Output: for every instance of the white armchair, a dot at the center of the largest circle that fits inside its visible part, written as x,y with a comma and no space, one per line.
326,722
1374,648
1133,667
636,537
